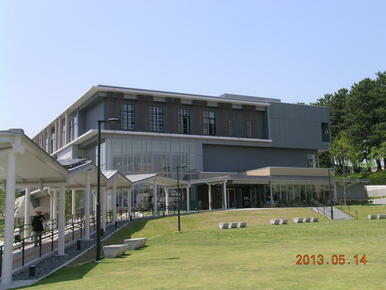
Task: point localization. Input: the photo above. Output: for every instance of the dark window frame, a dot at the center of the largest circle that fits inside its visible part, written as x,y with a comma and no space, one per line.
128,116
325,132
230,128
209,123
52,139
184,120
157,123
248,128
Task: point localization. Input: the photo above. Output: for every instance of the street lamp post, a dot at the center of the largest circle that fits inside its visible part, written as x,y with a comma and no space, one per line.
179,198
331,203
98,205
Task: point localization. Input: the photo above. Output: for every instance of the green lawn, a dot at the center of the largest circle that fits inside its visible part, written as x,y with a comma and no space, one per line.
364,210
260,256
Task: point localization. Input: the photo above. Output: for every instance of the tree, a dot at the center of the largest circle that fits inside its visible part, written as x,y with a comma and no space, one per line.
345,153
336,102
366,111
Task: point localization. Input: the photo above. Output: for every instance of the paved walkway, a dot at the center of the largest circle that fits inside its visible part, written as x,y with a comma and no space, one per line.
338,214
54,262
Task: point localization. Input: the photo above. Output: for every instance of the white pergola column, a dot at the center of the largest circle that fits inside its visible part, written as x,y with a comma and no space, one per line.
93,201
271,192
61,220
210,196
27,213
51,204
103,208
73,202
6,271
129,192
114,200
166,200
54,205
224,195
188,198
155,200
87,195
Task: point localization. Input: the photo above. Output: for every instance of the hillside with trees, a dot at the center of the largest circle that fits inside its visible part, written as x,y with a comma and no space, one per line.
358,127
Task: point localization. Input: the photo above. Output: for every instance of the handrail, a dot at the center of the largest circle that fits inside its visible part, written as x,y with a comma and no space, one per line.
72,223
319,204
342,205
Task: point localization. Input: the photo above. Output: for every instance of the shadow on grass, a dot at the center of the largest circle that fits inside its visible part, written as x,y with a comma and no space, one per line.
80,267
67,274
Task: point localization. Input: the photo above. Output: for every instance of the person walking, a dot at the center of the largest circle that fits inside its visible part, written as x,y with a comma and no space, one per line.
37,226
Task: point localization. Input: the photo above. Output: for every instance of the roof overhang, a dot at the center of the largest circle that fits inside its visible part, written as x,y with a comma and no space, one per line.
78,176
154,178
289,171
115,176
34,167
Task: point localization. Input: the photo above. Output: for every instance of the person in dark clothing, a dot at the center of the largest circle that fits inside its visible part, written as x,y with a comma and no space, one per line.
37,226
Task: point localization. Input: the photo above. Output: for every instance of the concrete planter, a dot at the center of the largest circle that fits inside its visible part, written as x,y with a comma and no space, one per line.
133,244
113,251
241,225
372,216
233,225
223,226
298,220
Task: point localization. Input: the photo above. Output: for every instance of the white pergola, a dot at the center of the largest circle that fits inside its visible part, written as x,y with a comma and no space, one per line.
25,165
116,180
158,180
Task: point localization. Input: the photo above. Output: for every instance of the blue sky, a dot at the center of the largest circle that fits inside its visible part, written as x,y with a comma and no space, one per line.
53,51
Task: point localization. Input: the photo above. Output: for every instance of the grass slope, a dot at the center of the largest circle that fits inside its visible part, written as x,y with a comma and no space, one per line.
260,256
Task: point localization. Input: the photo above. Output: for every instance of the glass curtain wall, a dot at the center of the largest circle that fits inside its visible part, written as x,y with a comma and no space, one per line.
141,155
298,194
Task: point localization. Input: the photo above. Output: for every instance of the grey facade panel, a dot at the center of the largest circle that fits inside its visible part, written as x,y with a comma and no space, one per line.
297,126
225,158
88,119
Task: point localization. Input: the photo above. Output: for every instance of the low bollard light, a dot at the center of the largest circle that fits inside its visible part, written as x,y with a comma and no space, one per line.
79,245
32,271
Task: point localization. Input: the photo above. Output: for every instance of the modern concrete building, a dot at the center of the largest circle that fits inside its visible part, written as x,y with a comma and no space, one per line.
221,140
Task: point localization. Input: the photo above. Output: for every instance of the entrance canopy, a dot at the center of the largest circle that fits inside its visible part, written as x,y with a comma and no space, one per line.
154,178
266,175
33,166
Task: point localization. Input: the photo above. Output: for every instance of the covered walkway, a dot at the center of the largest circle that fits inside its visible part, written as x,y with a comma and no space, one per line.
26,167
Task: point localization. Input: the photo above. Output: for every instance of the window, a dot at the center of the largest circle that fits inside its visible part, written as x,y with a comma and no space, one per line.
249,128
46,141
325,132
230,127
209,123
63,132
128,116
184,121
53,140
312,160
156,119
73,132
